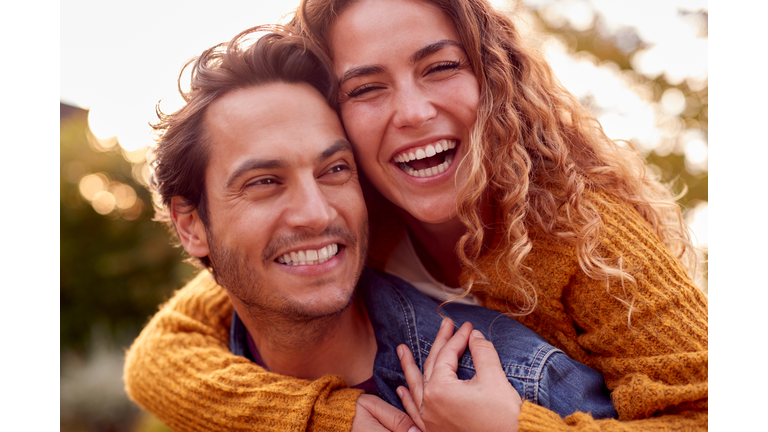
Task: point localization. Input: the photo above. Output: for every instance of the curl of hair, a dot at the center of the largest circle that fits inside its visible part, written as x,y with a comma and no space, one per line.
537,153
179,160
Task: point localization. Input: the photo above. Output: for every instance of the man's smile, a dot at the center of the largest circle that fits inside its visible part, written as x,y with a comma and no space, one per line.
309,256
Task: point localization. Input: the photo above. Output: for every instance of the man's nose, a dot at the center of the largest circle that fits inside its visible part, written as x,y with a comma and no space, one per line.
412,106
309,208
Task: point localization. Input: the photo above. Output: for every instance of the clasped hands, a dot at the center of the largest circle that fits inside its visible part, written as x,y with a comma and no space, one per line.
438,400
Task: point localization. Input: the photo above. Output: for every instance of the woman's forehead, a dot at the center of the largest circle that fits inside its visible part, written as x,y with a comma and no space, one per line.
370,29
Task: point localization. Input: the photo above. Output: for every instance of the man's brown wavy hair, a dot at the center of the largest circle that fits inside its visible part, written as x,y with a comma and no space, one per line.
179,159
537,152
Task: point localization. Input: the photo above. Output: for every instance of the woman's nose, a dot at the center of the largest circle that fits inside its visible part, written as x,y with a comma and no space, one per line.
412,107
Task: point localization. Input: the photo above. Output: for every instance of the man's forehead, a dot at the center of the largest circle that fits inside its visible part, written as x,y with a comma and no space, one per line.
287,122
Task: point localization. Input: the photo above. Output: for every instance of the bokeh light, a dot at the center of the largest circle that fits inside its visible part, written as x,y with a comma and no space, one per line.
92,184
110,197
673,102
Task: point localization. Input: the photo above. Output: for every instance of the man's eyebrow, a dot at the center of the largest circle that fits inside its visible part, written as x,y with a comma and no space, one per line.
254,164
266,164
360,71
433,48
338,146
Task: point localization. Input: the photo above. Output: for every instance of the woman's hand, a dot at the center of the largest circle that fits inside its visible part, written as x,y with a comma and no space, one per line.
373,414
439,401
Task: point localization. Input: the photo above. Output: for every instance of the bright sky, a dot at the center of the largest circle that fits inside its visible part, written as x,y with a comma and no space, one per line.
120,58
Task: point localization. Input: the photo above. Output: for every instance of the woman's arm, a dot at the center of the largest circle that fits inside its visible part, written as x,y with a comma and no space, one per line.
655,361
180,369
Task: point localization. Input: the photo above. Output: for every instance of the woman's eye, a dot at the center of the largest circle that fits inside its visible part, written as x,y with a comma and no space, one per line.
363,89
444,66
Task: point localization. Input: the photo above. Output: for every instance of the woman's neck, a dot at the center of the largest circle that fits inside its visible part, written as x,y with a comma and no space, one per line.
436,244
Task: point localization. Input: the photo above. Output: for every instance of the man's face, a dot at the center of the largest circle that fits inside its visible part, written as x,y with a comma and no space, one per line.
288,225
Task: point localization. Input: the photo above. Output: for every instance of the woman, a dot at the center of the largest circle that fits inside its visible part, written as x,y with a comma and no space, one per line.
526,204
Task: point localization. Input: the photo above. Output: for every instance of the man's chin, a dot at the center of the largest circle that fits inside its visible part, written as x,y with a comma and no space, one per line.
319,310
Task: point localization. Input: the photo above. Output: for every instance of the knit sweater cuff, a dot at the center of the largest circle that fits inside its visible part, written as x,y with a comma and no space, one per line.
534,418
336,412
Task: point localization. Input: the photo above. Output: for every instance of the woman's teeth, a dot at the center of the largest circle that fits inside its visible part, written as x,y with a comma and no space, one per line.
428,172
310,256
430,167
428,151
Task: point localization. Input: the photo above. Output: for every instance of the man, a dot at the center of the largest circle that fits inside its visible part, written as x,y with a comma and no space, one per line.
258,181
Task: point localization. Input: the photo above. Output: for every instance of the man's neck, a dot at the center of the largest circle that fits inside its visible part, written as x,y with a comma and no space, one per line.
343,344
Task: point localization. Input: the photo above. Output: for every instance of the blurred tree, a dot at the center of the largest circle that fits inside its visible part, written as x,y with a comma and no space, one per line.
115,267
618,46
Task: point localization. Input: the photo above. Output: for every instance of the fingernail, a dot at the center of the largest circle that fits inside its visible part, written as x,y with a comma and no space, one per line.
400,352
399,393
444,322
477,334
414,429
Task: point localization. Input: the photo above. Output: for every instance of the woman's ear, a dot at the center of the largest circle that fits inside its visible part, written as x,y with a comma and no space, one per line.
189,228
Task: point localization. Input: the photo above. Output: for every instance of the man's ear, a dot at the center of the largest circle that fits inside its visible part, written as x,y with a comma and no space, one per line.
189,228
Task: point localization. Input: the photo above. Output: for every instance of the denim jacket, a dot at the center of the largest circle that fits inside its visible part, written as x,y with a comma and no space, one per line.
400,314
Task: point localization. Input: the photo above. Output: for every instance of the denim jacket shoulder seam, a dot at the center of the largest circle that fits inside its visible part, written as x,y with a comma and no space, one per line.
410,323
537,366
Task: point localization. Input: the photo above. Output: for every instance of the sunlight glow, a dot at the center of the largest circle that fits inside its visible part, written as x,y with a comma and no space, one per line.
673,102
698,223
122,74
622,106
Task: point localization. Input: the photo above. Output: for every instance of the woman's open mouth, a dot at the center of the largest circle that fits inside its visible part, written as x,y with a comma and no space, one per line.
427,161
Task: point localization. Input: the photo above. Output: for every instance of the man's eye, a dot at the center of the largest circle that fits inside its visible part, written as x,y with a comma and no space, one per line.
337,169
262,182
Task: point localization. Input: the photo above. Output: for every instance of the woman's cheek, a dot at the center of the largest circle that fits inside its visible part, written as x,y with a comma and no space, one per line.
362,130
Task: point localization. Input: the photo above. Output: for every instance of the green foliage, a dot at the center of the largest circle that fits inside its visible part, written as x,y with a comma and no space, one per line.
114,272
618,48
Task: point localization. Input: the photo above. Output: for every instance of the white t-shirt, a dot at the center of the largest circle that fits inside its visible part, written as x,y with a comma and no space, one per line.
405,264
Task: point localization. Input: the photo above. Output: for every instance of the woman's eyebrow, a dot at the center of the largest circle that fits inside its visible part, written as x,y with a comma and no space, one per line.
360,71
422,53
433,48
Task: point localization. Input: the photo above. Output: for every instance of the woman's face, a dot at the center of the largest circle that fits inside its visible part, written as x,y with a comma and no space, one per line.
408,99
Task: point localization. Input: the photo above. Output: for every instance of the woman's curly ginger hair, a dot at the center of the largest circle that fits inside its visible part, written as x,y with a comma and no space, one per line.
536,152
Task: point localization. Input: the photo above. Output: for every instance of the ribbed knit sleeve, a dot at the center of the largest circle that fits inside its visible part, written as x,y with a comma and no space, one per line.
655,361
180,369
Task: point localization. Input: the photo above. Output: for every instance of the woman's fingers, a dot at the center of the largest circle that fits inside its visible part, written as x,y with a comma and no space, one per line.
412,373
443,336
410,407
485,358
447,361
373,413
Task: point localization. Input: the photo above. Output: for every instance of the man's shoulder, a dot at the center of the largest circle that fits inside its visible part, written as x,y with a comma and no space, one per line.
522,351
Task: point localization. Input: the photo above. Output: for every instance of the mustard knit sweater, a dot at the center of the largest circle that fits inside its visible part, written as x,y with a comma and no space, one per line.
180,367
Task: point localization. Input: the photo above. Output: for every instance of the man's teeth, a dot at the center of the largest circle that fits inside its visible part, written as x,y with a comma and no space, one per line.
428,151
310,256
428,172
